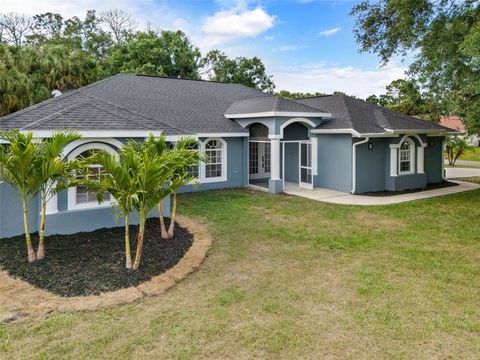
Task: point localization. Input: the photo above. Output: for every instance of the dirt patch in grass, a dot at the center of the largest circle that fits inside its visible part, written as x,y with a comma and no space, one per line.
376,220
90,263
19,298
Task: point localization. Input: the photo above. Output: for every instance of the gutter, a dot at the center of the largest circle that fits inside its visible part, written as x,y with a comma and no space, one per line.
354,163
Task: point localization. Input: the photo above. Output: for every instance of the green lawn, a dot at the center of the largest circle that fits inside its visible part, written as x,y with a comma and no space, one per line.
293,278
472,154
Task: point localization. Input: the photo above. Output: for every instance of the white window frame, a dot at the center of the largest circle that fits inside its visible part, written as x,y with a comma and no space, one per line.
202,170
72,192
411,150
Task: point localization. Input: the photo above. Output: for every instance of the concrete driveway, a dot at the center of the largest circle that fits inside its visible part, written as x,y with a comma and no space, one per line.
458,172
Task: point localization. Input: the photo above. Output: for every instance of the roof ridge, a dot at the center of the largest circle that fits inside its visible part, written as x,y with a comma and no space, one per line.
53,115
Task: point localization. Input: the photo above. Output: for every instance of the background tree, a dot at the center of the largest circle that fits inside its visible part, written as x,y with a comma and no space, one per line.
118,23
15,28
442,35
250,72
455,147
168,53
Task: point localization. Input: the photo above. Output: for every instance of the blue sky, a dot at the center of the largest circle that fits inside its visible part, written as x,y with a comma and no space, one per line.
307,45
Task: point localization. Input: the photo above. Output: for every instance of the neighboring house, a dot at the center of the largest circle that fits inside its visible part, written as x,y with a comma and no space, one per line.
250,137
455,123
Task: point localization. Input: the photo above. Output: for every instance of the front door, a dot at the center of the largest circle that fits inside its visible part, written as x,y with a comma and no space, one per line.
305,165
259,159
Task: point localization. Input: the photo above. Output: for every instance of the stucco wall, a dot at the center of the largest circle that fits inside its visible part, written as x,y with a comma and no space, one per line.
236,167
334,162
434,160
371,165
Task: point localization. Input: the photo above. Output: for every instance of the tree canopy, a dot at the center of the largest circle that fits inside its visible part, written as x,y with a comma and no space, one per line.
47,51
444,38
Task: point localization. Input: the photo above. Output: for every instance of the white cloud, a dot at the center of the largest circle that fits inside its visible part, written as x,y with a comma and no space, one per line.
235,23
330,32
327,78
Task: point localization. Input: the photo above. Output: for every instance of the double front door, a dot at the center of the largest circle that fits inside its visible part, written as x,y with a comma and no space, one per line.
259,159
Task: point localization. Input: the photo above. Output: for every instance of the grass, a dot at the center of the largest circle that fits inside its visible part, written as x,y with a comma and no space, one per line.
292,278
473,179
472,154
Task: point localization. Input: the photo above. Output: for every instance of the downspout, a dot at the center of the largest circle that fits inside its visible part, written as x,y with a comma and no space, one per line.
354,164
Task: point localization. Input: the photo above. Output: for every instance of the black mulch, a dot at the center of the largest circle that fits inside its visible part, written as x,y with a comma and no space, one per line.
428,187
90,263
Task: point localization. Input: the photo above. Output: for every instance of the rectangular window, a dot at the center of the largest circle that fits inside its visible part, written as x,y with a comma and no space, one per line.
193,170
83,194
214,155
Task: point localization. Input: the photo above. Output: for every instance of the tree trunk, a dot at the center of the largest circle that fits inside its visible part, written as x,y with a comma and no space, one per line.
163,229
172,217
41,233
140,235
128,256
31,253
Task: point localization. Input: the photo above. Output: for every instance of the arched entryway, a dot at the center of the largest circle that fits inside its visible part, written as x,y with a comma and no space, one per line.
297,156
259,155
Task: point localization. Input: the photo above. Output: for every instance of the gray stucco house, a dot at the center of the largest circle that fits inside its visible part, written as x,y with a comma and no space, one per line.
251,138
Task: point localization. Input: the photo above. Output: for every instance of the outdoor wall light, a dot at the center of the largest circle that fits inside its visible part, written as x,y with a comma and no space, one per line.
370,146
431,143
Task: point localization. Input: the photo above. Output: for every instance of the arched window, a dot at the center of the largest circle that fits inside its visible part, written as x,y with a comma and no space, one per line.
80,197
215,154
406,155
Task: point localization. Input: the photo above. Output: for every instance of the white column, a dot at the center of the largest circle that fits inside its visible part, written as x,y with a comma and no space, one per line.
393,161
314,141
420,160
275,158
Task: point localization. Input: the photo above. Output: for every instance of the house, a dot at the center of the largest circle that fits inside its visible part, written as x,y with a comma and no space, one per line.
250,137
455,123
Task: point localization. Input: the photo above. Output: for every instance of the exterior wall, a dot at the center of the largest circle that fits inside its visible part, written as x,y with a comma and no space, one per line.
434,160
62,222
370,174
237,167
334,162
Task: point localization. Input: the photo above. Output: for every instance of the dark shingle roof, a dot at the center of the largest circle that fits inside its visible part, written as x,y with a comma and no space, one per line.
127,102
363,117
270,104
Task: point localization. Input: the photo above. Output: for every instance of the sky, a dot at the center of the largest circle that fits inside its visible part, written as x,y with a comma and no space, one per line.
307,45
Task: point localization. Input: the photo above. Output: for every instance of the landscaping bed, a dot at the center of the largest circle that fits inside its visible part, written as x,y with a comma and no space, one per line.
91,263
428,187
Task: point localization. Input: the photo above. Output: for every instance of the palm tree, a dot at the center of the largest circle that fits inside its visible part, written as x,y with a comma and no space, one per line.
119,178
153,171
17,167
51,175
184,158
158,147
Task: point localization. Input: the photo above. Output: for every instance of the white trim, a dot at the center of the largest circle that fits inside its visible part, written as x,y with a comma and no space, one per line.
87,134
295,120
3,141
336,131
275,159
208,135
411,149
72,192
314,141
393,161
202,168
354,163
76,143
420,159
278,113
52,204
415,131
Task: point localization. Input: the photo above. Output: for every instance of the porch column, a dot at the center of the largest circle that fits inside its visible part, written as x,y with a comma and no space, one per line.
275,183
393,160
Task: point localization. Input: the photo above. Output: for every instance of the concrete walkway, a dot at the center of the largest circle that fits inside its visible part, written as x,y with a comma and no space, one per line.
459,172
336,197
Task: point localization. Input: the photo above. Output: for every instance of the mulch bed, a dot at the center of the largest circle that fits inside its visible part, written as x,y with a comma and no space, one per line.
428,187
91,263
